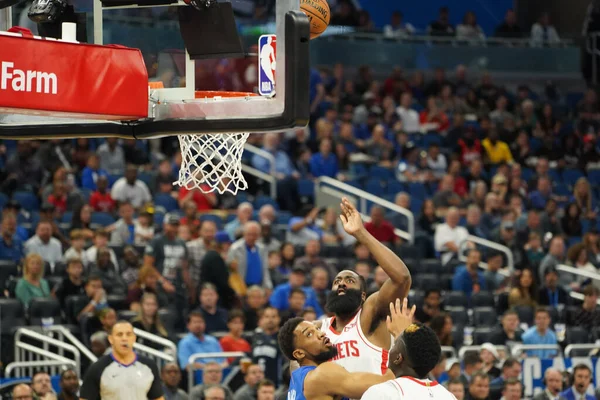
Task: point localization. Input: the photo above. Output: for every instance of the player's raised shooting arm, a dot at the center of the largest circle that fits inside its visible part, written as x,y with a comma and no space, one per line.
330,379
398,284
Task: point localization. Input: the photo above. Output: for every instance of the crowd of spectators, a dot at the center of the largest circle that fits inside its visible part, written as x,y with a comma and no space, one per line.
97,226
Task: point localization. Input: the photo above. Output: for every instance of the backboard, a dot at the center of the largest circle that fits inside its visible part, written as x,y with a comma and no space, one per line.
174,109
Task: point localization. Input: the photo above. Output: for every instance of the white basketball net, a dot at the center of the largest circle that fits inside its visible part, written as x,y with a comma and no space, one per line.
212,162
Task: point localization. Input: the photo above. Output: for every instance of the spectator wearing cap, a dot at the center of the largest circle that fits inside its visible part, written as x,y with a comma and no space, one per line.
281,294
588,316
449,236
44,244
555,257
11,246
168,254
249,258
467,278
112,157
453,371
489,357
243,215
130,189
91,173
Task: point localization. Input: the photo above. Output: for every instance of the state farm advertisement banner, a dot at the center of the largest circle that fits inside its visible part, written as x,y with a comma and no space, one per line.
61,79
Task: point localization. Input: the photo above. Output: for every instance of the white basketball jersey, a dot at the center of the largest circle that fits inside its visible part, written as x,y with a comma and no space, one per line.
408,388
355,352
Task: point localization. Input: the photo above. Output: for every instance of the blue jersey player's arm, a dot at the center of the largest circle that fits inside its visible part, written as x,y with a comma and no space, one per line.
352,385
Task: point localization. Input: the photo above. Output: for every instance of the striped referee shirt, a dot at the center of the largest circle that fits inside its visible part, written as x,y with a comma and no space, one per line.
108,379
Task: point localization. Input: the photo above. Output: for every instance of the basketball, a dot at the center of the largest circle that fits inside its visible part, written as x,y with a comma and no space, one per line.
318,13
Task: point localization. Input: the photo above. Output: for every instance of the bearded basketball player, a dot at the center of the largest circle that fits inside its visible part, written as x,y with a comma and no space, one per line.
358,327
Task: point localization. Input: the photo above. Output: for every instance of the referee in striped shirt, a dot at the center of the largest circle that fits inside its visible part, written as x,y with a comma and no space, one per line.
122,375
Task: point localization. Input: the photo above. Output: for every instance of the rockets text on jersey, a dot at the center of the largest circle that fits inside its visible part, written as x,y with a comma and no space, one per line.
355,352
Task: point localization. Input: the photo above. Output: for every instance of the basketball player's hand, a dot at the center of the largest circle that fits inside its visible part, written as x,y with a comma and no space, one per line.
351,219
400,317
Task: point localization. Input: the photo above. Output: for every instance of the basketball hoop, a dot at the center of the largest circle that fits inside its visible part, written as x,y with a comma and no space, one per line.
213,161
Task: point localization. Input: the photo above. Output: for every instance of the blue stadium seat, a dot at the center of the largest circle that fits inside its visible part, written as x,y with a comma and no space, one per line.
527,174
562,189
394,187
570,176
27,200
112,179
283,217
382,173
594,176
306,187
432,138
374,187
554,176
485,316
146,177
573,240
86,193
459,316
262,200
102,219
417,190
483,299
158,219
67,217
456,299
358,170
573,98
166,201
3,200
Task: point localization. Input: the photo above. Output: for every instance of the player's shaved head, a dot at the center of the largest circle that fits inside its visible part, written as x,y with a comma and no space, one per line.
416,352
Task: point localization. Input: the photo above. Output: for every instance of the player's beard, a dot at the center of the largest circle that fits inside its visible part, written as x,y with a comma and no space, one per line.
326,355
345,304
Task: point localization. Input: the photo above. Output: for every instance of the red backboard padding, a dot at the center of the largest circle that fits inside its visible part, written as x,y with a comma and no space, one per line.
54,78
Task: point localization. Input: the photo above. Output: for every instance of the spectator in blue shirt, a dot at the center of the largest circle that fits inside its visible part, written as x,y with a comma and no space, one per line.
90,174
316,90
541,334
283,169
11,247
196,341
538,198
582,377
467,278
280,297
324,163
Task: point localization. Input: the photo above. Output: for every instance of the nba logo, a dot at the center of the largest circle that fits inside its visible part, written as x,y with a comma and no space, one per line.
267,54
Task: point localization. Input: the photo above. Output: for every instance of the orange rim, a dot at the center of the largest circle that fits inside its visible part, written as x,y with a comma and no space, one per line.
210,94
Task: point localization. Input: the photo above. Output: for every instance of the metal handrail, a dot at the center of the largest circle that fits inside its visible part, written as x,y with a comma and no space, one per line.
464,349
579,296
157,354
21,348
265,177
449,350
366,196
577,271
588,346
263,153
198,356
518,349
47,341
64,333
492,245
156,339
33,364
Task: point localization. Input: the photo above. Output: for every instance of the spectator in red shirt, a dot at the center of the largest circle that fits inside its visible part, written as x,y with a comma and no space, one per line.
101,200
381,229
58,197
234,341
435,115
204,201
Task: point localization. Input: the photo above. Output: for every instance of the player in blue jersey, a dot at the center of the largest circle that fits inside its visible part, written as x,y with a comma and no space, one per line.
319,379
